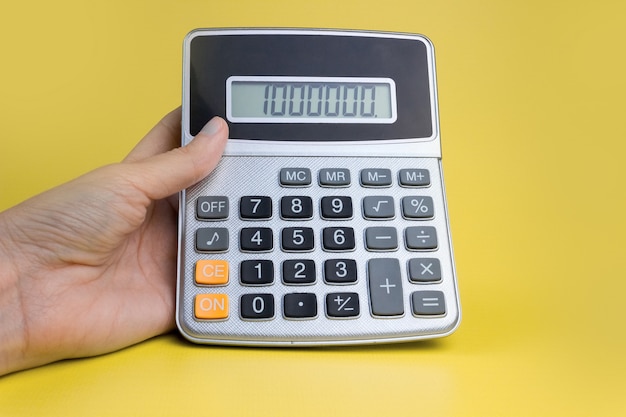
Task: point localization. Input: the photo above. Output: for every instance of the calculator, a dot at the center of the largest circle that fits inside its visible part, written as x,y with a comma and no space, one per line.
325,222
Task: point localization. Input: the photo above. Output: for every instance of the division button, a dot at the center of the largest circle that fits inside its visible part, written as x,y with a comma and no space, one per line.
385,285
420,237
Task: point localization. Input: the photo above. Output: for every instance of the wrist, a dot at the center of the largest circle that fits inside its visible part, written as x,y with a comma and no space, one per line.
13,339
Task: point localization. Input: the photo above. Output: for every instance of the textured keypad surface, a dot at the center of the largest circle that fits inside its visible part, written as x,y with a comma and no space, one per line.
280,250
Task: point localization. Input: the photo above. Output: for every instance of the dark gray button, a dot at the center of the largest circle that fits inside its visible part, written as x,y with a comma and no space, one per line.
299,271
385,285
340,271
414,177
420,237
256,239
378,207
257,306
381,238
256,272
342,304
337,207
376,177
295,177
334,177
424,270
255,207
212,208
296,207
295,239
300,306
428,303
417,207
212,239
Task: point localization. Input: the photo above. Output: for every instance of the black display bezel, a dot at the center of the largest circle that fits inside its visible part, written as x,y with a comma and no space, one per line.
214,58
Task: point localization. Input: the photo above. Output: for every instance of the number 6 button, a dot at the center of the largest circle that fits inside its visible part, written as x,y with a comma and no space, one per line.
338,239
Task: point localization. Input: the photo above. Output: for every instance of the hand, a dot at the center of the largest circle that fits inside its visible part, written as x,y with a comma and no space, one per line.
89,267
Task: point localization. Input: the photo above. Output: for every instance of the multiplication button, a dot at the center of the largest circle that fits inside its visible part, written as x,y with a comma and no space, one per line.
424,270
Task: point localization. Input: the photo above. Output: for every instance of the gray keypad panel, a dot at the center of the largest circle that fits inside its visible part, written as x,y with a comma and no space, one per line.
321,254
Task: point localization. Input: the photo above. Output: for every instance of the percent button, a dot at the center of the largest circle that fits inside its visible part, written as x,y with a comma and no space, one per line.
417,207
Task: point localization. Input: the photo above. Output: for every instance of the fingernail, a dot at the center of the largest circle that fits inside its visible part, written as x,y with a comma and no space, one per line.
211,128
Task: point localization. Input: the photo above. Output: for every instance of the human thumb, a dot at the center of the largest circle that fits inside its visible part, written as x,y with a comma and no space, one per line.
165,174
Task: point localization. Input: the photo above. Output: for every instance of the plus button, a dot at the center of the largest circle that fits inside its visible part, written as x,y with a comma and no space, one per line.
387,286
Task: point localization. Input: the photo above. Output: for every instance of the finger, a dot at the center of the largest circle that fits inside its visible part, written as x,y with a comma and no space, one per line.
164,136
167,173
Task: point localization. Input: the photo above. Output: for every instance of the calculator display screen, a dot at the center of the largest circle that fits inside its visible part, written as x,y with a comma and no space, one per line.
310,100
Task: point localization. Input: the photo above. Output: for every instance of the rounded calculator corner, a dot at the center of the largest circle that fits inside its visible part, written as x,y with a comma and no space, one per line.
184,330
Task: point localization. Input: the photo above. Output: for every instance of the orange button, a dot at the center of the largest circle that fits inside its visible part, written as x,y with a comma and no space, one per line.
211,306
212,272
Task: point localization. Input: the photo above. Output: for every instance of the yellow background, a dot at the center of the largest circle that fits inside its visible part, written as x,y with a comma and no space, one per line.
531,100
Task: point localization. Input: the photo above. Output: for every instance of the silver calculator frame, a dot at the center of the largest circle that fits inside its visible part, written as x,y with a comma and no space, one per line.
429,147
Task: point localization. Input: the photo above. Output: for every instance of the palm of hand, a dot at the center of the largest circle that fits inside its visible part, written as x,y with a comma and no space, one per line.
94,261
